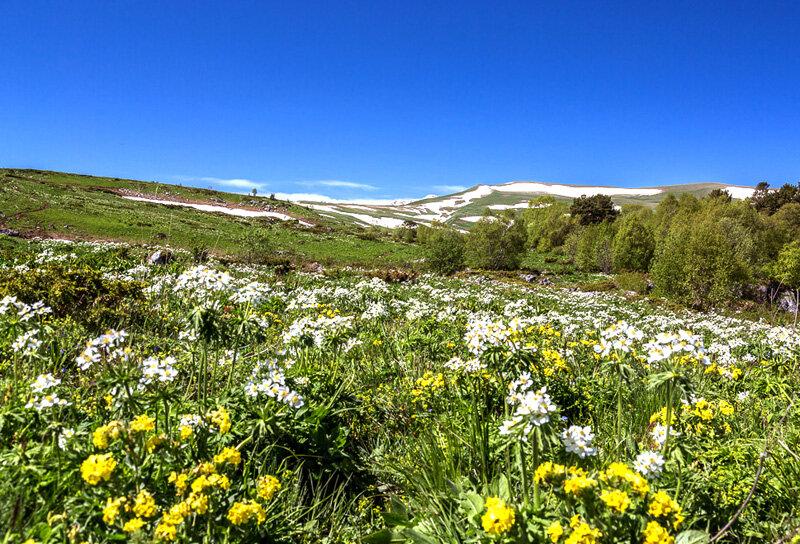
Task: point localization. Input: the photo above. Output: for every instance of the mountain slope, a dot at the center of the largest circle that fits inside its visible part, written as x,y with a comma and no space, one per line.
462,209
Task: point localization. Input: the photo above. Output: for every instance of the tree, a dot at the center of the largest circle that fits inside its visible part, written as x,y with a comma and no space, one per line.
548,223
593,248
634,244
769,201
719,193
700,263
445,249
593,209
496,242
787,270
255,191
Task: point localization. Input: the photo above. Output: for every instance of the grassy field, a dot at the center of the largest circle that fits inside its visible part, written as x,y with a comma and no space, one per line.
50,204
228,403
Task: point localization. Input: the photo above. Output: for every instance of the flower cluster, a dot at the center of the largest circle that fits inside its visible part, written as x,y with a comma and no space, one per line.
267,378
498,518
162,370
578,440
27,343
104,344
534,408
98,467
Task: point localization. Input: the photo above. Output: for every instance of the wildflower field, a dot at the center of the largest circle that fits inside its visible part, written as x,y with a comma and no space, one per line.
221,403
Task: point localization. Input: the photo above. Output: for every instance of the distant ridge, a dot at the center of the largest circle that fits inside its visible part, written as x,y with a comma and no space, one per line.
465,207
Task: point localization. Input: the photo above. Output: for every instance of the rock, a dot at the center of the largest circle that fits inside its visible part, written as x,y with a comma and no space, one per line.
9,232
160,257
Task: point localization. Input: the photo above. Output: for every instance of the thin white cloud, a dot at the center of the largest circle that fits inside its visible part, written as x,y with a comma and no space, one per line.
237,183
338,183
313,197
450,188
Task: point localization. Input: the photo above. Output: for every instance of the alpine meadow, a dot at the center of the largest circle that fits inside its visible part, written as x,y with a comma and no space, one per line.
414,272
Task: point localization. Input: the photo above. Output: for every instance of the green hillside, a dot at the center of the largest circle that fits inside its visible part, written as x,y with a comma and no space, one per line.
58,205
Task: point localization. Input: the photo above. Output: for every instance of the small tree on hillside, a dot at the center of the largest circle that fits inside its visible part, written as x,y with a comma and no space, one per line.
634,244
445,249
589,210
787,270
496,242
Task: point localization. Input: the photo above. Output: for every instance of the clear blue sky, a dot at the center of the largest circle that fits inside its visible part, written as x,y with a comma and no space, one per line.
394,99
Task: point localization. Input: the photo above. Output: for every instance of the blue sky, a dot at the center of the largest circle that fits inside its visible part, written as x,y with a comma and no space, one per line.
402,99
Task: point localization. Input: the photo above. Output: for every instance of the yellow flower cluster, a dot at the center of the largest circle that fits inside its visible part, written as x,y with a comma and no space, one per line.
553,361
428,380
179,480
168,526
656,534
212,480
133,524
144,505
554,531
498,518
221,418
577,483
581,533
616,500
245,512
111,509
143,423
619,472
548,469
98,467
102,434
267,487
228,455
663,506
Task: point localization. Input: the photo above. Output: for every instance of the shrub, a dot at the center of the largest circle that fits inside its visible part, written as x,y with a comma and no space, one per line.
496,242
631,281
633,245
445,250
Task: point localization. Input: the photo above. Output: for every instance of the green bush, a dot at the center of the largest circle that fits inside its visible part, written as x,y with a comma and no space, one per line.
496,242
80,293
633,244
631,281
445,250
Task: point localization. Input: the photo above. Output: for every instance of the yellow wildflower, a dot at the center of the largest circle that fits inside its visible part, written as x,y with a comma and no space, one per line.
546,470
143,423
267,487
221,418
198,502
245,512
111,509
616,500
186,432
144,505
583,534
98,467
133,525
576,484
656,534
498,518
554,531
228,455
179,480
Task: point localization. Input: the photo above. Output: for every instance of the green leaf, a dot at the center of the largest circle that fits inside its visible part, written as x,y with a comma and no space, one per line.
692,537
473,505
501,487
384,536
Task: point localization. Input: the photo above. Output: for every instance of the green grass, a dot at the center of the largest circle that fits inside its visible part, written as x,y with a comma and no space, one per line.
58,205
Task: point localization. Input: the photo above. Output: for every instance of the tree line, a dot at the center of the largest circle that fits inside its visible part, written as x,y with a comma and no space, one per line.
699,251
